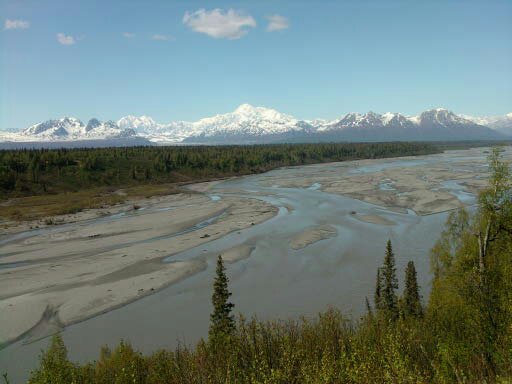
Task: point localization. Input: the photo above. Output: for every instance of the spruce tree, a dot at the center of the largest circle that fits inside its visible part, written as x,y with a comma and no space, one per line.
390,283
377,297
411,298
222,322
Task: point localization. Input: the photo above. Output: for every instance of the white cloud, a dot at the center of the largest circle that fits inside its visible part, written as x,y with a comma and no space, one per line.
16,24
219,24
162,37
277,23
65,39
128,35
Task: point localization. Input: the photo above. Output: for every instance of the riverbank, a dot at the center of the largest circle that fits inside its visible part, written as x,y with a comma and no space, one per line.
270,278
37,184
424,184
105,258
99,259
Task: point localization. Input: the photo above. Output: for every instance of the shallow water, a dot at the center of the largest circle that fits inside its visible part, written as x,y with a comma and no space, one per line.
459,191
275,281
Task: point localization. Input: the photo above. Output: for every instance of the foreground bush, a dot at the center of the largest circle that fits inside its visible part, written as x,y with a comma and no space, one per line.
328,349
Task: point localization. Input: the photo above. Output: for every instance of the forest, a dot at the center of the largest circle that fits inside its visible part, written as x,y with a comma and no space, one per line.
462,333
42,171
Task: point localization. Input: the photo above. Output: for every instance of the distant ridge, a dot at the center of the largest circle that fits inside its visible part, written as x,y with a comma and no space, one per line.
249,124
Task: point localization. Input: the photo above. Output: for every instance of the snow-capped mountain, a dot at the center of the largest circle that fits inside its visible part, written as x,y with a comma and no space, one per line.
246,122
443,124
70,129
145,126
140,124
55,128
500,123
249,124
434,124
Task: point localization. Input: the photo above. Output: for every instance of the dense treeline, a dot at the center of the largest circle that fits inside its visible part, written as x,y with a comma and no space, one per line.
462,335
33,172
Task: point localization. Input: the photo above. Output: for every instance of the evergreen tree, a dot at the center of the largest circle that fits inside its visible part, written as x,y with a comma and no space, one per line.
377,298
390,283
411,299
222,322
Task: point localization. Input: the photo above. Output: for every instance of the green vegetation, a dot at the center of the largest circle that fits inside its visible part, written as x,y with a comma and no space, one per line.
33,172
34,207
387,284
89,178
462,335
222,322
411,302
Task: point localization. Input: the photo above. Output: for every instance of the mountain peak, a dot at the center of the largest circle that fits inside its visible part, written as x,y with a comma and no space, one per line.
138,123
440,116
93,123
248,123
246,108
71,128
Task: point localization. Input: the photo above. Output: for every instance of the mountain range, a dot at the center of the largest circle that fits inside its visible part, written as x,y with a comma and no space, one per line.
502,124
249,124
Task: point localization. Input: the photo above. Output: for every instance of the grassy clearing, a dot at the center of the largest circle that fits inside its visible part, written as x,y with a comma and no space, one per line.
36,207
39,207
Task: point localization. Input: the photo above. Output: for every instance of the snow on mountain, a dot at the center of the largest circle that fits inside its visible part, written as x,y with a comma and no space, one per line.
145,126
96,129
500,123
55,128
437,117
247,120
173,132
249,124
398,120
256,124
320,124
140,124
369,121
441,116
71,129
360,121
442,124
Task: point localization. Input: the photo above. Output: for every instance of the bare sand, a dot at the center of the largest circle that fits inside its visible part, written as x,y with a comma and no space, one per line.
95,262
203,187
417,185
240,252
312,235
374,219
87,267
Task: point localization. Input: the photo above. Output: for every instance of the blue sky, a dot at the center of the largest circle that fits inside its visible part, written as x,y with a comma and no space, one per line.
183,60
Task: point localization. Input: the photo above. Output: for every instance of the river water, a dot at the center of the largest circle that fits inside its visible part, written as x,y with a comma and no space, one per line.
275,281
